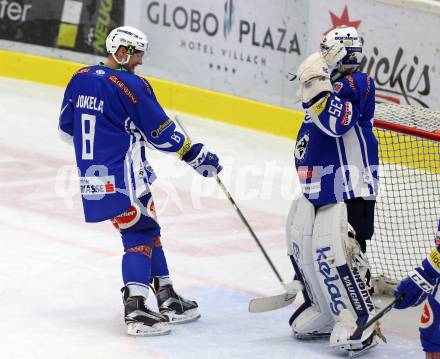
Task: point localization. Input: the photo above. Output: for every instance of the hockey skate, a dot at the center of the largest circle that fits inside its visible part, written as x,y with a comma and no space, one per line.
309,323
341,338
311,335
173,306
363,346
141,320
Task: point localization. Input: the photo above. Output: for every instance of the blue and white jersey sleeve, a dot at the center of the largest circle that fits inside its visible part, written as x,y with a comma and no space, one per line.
66,120
432,262
430,319
335,114
160,131
336,152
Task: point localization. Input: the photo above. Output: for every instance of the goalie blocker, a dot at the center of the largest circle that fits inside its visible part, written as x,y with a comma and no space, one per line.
326,260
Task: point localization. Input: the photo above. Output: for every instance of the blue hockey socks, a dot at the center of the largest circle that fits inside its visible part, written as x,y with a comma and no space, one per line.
136,268
159,267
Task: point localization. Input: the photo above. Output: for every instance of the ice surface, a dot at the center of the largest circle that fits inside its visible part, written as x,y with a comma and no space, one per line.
60,277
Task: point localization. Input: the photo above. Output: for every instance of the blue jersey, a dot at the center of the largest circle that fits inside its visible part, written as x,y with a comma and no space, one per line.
430,320
336,153
112,116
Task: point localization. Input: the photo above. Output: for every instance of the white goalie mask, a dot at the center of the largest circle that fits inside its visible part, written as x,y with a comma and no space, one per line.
342,48
129,37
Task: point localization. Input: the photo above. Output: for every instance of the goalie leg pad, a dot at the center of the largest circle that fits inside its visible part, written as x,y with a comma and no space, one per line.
341,338
307,301
307,322
310,323
299,243
340,279
337,273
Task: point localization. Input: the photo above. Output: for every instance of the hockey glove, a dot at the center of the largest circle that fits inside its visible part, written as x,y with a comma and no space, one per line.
414,289
333,54
203,161
314,78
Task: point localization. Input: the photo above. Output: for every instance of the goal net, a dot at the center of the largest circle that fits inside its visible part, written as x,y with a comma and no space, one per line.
408,205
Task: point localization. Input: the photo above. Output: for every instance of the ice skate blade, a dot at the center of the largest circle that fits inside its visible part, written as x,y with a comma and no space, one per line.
311,336
356,353
189,316
141,330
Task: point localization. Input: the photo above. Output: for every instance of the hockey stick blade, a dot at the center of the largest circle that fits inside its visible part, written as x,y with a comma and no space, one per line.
266,304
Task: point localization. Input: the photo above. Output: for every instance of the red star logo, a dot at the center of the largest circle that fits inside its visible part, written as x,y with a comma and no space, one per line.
343,20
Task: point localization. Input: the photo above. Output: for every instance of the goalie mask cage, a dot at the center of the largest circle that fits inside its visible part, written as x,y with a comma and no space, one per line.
408,205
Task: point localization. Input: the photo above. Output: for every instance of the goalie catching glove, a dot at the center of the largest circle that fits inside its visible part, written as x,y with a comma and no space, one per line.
204,162
314,79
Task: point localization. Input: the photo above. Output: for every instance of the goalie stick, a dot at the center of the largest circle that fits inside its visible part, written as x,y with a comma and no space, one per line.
265,304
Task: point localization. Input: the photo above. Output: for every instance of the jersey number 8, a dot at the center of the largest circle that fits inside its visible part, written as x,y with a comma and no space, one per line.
88,135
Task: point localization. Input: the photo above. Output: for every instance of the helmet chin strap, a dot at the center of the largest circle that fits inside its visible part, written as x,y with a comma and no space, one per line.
122,62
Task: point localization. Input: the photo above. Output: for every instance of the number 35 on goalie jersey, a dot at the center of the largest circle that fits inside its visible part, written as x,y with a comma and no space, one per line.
336,153
112,116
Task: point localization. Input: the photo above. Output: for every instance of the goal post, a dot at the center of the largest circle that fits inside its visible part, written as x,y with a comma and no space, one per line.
408,204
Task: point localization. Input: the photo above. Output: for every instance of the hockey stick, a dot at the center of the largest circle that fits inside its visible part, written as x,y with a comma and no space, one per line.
360,329
245,222
242,217
266,304
263,304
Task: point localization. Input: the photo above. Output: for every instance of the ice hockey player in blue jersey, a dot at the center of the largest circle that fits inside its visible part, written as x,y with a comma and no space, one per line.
423,284
336,157
112,115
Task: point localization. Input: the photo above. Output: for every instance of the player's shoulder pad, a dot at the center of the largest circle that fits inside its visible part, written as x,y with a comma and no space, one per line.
93,70
355,84
82,71
147,85
125,85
